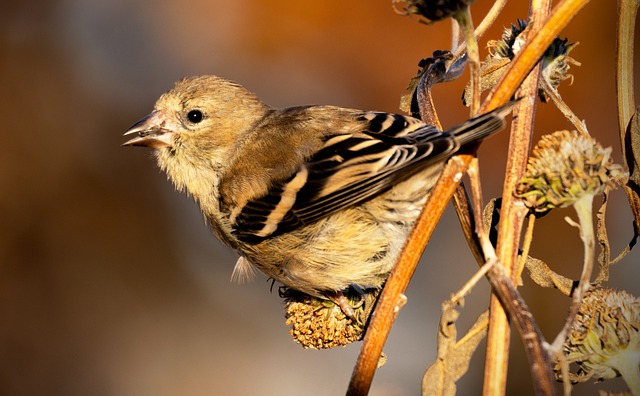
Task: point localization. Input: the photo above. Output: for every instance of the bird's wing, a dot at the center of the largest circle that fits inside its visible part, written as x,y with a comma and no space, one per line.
350,168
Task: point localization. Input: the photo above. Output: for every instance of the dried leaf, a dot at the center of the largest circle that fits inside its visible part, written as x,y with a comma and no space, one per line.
406,100
544,276
604,258
632,143
491,217
632,153
441,67
629,246
490,72
453,356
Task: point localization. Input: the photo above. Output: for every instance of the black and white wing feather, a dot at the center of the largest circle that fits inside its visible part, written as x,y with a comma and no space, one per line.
352,167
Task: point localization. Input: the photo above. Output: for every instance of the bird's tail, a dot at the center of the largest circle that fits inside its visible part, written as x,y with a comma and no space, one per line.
478,128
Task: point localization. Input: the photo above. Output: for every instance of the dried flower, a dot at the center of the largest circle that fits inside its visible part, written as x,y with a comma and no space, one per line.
433,10
555,64
320,324
605,339
565,166
555,60
511,42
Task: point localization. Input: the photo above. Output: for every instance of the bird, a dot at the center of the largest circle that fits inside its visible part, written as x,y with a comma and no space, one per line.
319,198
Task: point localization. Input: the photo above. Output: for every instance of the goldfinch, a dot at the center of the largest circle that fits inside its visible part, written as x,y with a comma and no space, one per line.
319,198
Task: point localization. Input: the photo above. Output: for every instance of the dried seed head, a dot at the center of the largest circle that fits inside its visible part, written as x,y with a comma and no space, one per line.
433,10
555,64
604,340
511,41
563,167
319,324
555,60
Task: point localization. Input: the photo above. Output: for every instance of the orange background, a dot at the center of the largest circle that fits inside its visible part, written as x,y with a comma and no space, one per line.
110,284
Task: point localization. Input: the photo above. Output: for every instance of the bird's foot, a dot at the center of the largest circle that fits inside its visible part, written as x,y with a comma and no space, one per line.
345,305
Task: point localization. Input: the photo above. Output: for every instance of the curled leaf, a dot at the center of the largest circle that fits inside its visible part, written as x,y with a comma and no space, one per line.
453,355
441,67
632,144
544,276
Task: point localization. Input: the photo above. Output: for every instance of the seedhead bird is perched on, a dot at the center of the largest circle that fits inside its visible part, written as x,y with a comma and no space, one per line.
320,198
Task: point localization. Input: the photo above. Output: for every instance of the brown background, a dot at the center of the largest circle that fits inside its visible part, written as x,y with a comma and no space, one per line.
110,284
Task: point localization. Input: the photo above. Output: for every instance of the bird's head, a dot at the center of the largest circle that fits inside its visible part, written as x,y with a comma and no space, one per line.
199,116
194,126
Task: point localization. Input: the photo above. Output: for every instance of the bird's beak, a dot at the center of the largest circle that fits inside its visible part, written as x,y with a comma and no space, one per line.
153,131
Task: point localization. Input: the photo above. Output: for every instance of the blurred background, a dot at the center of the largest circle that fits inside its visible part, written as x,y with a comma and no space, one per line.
110,283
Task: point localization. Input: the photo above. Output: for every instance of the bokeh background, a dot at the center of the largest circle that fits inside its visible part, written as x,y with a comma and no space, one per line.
110,284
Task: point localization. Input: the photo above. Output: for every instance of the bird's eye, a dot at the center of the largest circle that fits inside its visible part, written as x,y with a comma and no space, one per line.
195,116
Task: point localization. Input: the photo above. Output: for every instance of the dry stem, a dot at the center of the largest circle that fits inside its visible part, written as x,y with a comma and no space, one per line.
627,10
510,224
524,61
584,209
386,309
482,28
473,55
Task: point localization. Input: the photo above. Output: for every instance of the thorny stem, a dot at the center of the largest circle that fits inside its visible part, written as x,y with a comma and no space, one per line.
584,210
498,337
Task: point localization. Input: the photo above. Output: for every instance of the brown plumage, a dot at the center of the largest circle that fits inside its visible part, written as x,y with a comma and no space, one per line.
319,198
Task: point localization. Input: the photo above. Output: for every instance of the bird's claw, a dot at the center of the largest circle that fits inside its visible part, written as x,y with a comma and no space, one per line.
338,298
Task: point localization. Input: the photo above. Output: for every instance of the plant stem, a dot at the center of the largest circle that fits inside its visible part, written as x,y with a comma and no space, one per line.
512,217
626,363
486,23
540,364
473,55
584,209
388,304
524,61
627,11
